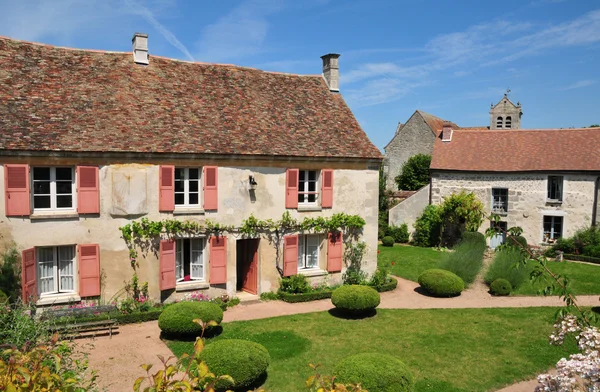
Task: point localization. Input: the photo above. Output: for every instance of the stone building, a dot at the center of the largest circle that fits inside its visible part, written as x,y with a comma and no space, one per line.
91,141
505,114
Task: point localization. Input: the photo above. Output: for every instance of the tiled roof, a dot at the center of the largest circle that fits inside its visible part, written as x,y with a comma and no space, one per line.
519,150
435,123
58,99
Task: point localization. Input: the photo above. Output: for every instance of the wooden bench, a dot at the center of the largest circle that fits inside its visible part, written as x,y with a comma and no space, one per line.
76,329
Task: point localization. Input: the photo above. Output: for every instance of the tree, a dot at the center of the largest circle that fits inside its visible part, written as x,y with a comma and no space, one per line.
595,126
415,173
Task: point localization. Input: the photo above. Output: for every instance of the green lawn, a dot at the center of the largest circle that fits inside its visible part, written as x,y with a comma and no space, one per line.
408,261
449,350
584,278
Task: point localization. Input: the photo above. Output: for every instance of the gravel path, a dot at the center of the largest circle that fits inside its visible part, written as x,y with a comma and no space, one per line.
118,359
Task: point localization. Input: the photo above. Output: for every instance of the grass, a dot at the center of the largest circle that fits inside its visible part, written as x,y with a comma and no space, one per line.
449,350
408,261
465,261
584,278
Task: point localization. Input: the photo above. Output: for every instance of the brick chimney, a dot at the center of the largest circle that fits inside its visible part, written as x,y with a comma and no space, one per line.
331,71
447,131
140,48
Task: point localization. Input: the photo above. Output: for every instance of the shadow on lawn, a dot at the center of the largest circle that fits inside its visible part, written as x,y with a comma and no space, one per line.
422,291
209,333
347,315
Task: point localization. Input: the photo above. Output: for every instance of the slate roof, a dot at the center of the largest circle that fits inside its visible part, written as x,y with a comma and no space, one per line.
60,99
519,150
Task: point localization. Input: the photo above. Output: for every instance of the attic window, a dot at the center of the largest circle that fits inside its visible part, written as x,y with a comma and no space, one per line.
499,122
508,122
447,134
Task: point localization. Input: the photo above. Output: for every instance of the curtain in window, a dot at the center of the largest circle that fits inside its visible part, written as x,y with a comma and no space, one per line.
46,270
66,255
197,245
179,260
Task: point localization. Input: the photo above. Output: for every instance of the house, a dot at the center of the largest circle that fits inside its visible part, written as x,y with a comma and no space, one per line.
91,141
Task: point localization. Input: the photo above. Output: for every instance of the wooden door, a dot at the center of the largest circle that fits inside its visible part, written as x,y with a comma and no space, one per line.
499,238
250,270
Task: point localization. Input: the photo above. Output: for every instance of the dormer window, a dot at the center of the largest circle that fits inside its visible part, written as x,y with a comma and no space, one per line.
499,122
508,122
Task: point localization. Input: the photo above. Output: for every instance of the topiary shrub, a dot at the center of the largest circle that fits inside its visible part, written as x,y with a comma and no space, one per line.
441,283
500,287
473,236
355,299
295,284
375,373
177,319
387,241
243,360
517,240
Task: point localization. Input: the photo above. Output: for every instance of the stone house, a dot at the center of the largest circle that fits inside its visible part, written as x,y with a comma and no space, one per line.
92,140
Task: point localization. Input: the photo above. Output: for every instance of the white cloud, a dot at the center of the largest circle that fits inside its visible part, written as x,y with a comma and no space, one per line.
579,84
374,70
378,91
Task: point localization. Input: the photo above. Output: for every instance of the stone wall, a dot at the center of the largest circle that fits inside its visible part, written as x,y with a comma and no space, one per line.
410,209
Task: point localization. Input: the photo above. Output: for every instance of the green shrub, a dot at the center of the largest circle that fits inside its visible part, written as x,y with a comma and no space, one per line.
379,278
243,360
17,326
375,373
3,298
399,233
355,299
441,283
294,284
586,237
592,251
473,236
507,264
587,259
414,173
306,297
466,260
387,241
269,296
10,277
428,226
389,286
501,287
517,241
177,319
354,276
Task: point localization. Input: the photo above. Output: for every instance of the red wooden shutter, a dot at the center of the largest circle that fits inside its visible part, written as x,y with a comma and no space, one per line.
291,188
211,194
334,252
28,274
167,278
16,186
166,188
218,260
290,255
89,270
88,190
327,188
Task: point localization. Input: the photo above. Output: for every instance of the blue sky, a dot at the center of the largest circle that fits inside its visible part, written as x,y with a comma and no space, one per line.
451,58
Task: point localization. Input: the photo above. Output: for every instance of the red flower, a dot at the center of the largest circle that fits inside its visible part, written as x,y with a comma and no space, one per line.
393,263
378,251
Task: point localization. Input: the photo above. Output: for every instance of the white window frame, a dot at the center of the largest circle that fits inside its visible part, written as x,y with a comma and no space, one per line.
306,181
561,186
494,203
552,234
179,259
304,242
53,195
186,187
56,274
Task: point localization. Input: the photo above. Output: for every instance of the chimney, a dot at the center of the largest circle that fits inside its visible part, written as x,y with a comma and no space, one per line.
140,48
331,71
447,131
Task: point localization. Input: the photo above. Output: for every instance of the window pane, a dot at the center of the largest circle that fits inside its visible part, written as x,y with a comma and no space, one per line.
41,173
312,175
312,186
301,251
300,198
41,187
179,260
193,185
179,199
193,198
179,186
302,175
64,174
194,174
64,201
41,202
179,173
63,187
312,198
65,268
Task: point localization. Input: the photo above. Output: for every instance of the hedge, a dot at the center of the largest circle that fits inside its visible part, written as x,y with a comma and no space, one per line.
500,287
375,373
587,259
355,298
305,297
391,285
178,319
441,283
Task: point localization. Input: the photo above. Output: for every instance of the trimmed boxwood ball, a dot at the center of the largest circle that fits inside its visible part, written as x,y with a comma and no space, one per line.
521,241
355,298
387,241
375,373
441,283
500,287
177,319
243,360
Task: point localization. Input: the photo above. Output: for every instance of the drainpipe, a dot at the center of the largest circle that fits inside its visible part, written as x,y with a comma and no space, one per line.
595,205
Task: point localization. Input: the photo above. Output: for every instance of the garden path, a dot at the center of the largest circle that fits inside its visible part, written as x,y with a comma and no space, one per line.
118,360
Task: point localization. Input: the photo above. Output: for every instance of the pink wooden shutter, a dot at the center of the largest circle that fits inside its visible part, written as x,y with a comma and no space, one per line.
28,274
218,260
89,270
167,278
88,190
291,188
16,186
334,252
166,188
327,188
211,194
290,255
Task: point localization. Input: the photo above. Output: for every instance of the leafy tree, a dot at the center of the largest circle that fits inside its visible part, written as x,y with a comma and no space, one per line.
415,173
595,126
10,276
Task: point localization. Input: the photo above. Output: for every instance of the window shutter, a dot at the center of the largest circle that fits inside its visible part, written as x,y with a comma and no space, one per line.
167,279
28,275
166,188
334,252
211,194
16,186
327,188
218,260
88,190
290,255
291,188
89,270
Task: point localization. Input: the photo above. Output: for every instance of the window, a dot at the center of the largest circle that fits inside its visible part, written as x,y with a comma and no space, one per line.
187,187
499,200
508,122
53,188
555,188
499,123
56,269
307,187
552,228
189,259
308,251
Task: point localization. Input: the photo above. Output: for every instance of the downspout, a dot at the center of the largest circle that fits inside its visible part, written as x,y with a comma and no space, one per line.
595,205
